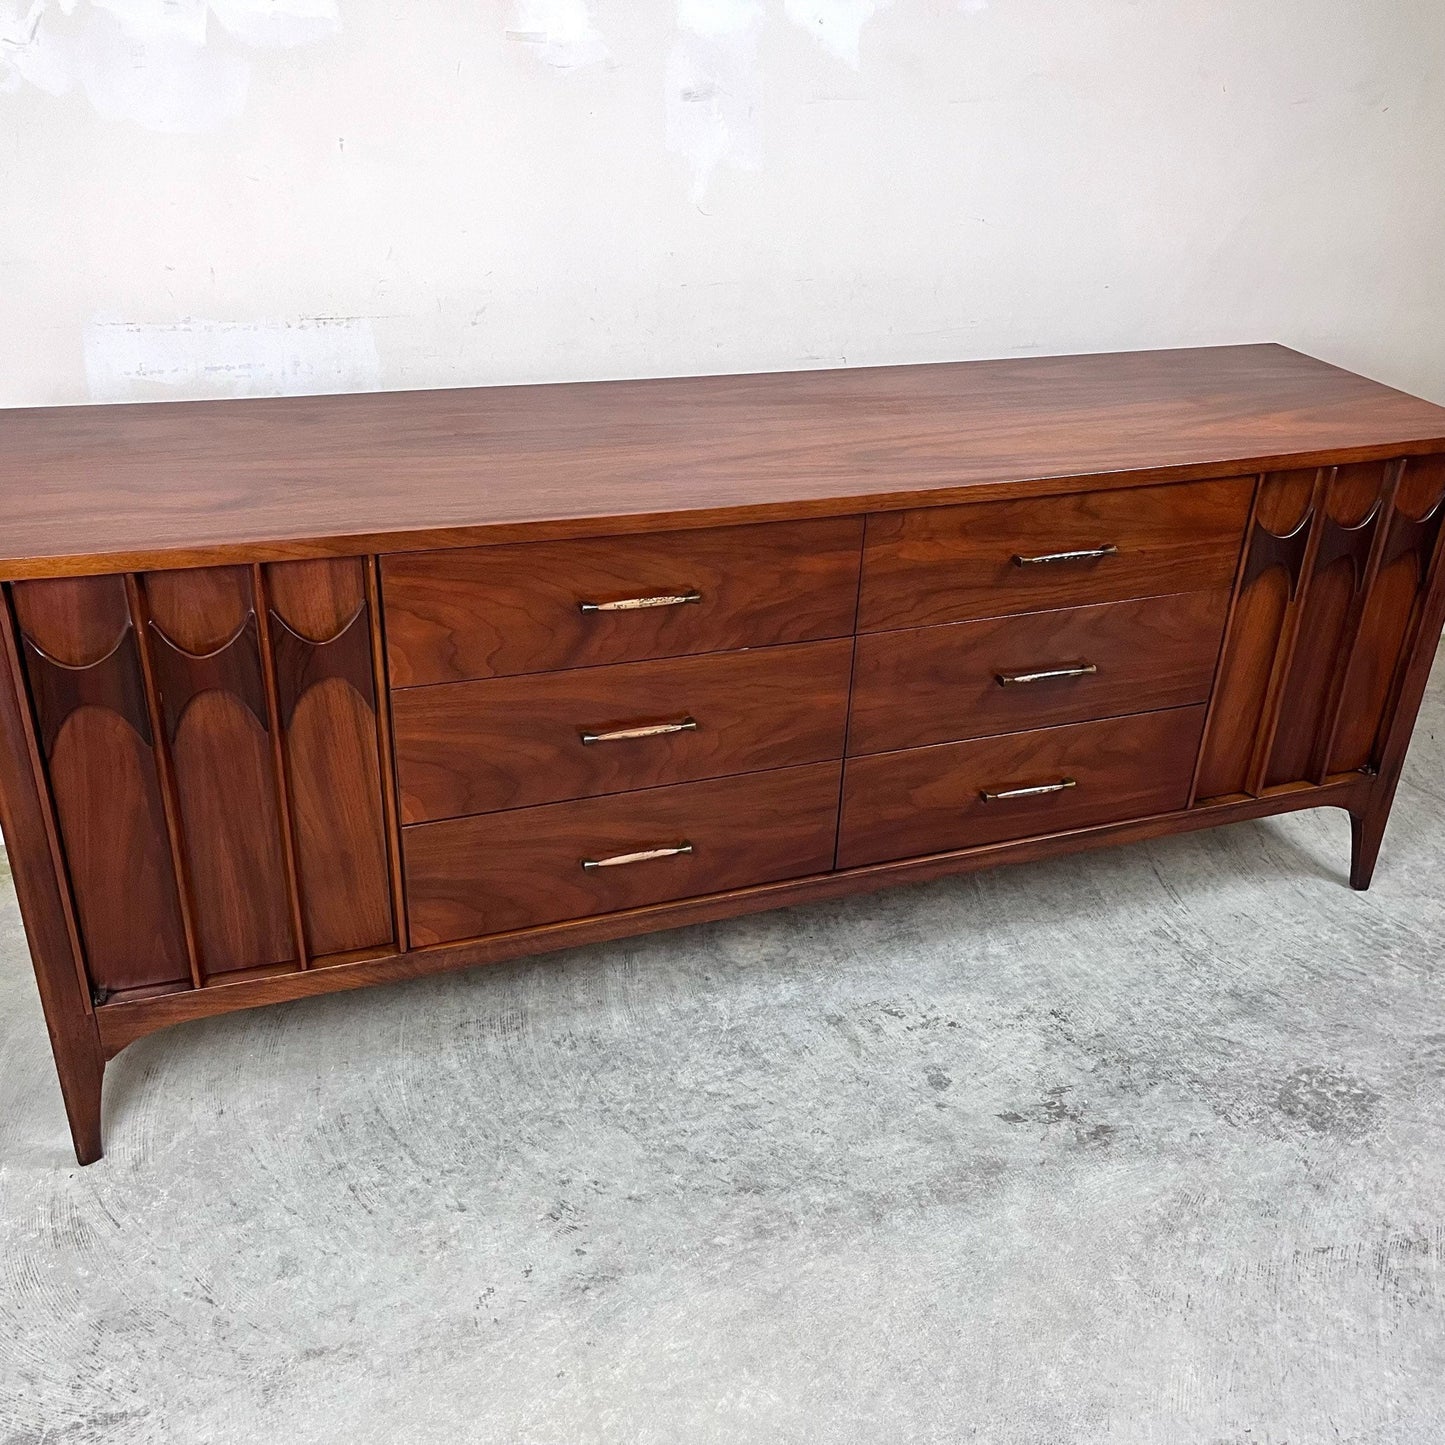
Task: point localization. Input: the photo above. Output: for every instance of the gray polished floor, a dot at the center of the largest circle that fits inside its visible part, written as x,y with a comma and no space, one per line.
1144,1146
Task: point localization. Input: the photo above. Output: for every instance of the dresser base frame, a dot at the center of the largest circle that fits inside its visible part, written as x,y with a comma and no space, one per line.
86,1037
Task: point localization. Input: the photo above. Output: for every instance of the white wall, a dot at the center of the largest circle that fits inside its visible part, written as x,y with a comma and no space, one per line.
267,195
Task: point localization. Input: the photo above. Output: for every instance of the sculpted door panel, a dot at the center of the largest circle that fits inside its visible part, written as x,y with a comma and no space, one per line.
320,636
206,659
1328,606
78,645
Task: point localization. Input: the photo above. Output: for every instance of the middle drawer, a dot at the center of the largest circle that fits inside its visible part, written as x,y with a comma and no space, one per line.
477,747
1008,674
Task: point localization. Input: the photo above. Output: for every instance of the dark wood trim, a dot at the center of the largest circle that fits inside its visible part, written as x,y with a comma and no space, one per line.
32,844
121,1024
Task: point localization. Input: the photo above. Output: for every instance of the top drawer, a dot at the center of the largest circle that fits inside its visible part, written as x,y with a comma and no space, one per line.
948,564
539,606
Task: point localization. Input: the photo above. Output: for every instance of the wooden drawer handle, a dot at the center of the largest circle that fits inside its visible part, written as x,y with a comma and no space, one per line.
1087,554
645,856
636,604
1036,791
1048,674
647,730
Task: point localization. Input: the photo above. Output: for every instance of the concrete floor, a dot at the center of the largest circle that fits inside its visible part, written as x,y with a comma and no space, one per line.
1144,1146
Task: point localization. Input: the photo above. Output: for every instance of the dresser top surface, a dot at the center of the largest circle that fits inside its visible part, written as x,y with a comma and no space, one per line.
85,489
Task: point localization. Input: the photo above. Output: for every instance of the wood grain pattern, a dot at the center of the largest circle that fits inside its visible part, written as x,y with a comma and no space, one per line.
474,747
940,684
321,639
928,800
203,639
951,564
498,611
107,489
470,876
84,673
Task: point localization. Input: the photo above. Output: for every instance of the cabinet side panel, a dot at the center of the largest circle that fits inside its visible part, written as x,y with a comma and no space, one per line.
321,652
77,646
206,660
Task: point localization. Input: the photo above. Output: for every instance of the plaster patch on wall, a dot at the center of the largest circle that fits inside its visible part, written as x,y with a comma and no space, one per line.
837,25
713,91
155,62
138,361
973,7
562,32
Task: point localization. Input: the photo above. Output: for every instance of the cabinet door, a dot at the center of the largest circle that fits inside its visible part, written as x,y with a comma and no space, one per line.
78,645
205,649
1326,612
320,634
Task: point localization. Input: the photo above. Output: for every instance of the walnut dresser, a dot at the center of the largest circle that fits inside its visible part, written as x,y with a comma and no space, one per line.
302,695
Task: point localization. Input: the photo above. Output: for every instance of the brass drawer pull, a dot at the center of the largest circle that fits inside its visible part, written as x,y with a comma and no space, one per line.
636,604
1087,554
1037,791
649,730
645,856
1048,674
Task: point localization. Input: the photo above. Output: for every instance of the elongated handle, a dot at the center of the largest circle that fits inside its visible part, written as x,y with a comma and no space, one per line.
1047,674
646,855
1084,554
646,730
1036,791
637,604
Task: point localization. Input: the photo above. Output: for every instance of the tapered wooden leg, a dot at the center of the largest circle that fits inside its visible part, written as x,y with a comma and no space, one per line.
81,1065
35,865
1367,831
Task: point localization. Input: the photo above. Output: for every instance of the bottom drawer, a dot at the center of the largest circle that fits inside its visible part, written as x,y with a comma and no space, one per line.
933,800
466,877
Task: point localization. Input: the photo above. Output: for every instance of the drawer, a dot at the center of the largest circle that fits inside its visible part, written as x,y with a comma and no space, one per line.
931,800
472,876
950,564
1006,674
538,606
509,742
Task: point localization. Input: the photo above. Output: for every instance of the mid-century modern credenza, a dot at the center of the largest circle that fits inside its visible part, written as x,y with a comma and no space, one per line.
305,694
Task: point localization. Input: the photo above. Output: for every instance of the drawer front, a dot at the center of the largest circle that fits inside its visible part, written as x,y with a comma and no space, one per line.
509,742
467,877
950,564
538,606
930,800
974,679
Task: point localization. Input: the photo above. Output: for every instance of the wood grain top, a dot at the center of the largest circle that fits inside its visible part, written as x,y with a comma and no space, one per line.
105,488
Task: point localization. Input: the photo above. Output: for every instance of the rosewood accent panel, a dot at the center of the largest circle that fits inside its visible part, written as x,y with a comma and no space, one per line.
204,643
1333,581
321,641
78,648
